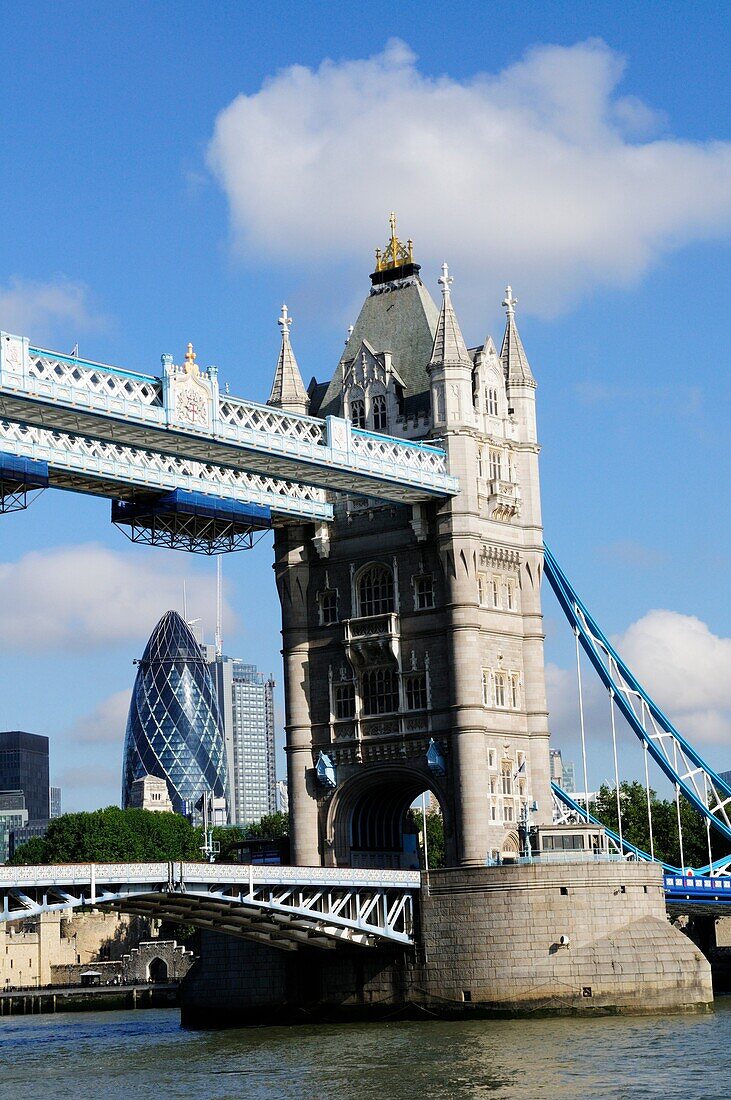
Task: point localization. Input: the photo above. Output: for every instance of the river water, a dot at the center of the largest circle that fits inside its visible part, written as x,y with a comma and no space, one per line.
145,1055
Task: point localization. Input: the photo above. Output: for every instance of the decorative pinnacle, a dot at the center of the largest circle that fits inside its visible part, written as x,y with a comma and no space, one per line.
285,321
445,279
191,367
510,302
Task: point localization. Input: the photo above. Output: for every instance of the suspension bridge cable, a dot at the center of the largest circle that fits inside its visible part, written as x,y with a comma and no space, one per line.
708,824
677,808
658,730
581,719
649,804
616,769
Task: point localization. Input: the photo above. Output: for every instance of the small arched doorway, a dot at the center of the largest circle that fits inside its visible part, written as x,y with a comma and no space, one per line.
370,822
157,971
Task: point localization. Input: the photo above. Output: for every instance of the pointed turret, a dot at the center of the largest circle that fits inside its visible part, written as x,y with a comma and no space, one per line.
288,389
515,361
450,367
449,347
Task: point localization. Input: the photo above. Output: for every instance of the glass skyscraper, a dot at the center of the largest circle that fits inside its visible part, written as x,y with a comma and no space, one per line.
174,729
246,700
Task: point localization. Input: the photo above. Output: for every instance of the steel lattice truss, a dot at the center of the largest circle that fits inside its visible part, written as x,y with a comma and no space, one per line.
14,497
194,534
679,761
286,907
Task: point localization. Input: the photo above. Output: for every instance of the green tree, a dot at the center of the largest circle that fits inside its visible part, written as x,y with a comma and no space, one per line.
112,835
636,828
270,827
434,835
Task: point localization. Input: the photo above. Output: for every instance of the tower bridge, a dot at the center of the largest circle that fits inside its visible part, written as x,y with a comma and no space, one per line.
409,559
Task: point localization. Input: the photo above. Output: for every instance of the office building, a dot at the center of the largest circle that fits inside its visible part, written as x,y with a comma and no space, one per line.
174,729
246,701
556,766
13,815
55,802
24,767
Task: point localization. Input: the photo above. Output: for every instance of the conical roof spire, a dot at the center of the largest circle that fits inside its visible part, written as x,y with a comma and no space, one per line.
515,361
288,389
449,346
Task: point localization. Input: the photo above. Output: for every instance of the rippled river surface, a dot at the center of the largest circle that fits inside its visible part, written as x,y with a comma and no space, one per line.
145,1054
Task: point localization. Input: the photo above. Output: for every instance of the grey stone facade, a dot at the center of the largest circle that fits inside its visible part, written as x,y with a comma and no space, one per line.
410,627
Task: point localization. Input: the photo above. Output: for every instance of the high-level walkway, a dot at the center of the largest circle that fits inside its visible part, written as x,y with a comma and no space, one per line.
116,432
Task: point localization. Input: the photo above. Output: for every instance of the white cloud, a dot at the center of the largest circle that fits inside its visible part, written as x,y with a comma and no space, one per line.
86,596
105,724
542,174
686,669
39,310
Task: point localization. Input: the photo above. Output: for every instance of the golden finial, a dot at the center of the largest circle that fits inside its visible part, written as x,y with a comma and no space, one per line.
395,254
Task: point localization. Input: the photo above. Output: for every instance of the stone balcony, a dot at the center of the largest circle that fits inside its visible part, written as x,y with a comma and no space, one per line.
373,640
503,499
381,725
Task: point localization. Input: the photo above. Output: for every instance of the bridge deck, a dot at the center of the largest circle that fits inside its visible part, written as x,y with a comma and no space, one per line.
283,906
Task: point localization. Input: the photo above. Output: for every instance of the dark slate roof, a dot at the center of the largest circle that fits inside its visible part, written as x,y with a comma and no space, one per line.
403,321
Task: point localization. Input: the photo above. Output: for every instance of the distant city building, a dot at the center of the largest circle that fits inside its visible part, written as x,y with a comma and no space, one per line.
24,767
726,777
556,765
246,701
13,815
25,833
55,802
149,792
174,729
569,777
282,796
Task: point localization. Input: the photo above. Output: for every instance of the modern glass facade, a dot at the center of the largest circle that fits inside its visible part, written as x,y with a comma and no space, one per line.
246,700
174,729
24,767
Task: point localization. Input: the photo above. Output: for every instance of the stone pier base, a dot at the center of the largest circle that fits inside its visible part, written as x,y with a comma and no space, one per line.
490,942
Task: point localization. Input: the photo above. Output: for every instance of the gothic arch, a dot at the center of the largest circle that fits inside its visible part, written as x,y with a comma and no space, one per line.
367,813
375,589
157,970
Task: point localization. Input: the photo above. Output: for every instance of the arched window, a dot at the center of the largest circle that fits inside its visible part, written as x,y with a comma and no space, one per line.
375,591
379,413
357,413
380,691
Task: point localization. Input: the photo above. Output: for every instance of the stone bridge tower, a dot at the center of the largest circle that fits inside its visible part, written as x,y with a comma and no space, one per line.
412,635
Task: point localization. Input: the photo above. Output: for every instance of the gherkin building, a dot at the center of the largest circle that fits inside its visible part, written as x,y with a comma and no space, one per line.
174,729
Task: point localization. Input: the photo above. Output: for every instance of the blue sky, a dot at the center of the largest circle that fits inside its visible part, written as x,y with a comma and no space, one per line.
169,176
